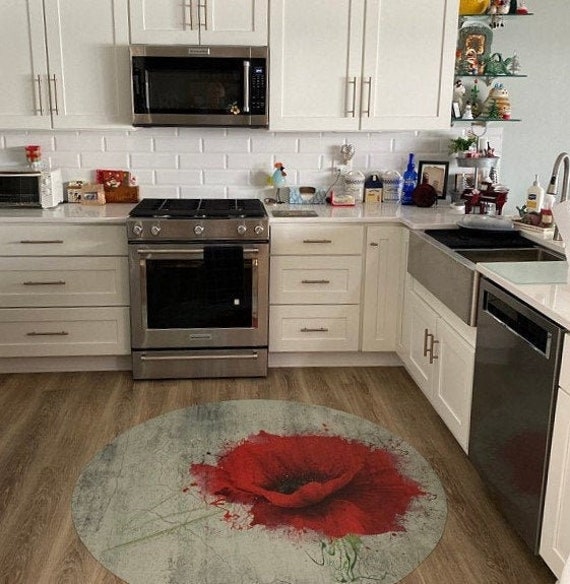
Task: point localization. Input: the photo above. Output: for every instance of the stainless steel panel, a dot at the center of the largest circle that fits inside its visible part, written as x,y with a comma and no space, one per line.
229,120
200,364
517,364
451,280
215,52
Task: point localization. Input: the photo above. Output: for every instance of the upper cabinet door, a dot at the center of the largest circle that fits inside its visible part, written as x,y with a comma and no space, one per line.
88,65
233,22
167,22
23,62
315,64
192,22
409,51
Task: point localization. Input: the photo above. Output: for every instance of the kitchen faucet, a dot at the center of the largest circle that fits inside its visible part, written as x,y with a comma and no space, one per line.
553,185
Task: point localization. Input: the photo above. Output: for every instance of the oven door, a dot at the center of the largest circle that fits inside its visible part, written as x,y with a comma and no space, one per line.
186,296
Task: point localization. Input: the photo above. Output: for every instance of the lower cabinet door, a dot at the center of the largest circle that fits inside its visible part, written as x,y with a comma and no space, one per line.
453,385
421,322
42,332
313,328
555,540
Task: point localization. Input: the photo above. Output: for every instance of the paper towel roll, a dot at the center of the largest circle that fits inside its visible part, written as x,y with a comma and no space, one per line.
561,213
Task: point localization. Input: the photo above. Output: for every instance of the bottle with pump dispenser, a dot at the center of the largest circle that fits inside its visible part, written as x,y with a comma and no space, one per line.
410,182
535,196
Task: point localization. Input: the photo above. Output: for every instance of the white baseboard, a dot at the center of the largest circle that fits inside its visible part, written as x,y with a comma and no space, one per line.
51,364
387,359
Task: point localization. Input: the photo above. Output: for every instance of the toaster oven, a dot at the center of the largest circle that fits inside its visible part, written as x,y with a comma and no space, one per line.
22,187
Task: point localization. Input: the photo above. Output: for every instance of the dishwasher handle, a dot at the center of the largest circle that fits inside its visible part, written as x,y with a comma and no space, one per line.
520,319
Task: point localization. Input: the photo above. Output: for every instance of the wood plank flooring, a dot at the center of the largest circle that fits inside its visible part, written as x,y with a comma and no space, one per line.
52,424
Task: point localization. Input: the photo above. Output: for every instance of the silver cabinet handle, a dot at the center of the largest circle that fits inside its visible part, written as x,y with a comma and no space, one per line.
246,91
203,8
40,241
39,110
351,112
317,240
374,244
187,10
426,335
314,330
365,81
315,281
53,96
48,334
47,283
432,355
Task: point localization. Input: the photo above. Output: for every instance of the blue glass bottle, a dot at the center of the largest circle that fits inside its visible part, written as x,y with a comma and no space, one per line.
410,182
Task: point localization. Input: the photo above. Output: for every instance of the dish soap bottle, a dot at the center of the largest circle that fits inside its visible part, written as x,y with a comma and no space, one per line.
410,182
546,217
534,196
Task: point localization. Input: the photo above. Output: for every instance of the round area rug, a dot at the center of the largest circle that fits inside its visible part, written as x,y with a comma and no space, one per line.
259,492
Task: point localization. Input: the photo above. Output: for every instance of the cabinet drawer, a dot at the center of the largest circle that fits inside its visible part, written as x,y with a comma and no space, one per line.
71,281
564,380
42,332
293,239
313,328
315,280
68,240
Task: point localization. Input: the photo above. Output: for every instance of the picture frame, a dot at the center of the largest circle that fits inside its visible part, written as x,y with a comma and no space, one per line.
435,173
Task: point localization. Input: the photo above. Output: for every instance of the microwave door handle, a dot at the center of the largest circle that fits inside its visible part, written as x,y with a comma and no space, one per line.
146,92
246,68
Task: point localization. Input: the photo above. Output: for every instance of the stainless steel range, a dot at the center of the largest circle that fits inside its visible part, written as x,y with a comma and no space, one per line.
199,274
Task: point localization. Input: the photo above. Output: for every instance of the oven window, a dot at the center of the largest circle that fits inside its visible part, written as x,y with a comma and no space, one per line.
194,86
210,292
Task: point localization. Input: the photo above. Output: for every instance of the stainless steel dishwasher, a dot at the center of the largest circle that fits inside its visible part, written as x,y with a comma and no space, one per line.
517,363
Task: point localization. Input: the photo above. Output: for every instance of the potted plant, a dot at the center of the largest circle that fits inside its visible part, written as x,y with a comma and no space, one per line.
462,144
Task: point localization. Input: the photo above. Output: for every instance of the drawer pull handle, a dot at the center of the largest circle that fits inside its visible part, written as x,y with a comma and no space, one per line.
315,281
317,241
374,244
54,283
196,357
41,241
314,330
48,334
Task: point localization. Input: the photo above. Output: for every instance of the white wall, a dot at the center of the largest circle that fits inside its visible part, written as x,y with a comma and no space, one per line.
541,100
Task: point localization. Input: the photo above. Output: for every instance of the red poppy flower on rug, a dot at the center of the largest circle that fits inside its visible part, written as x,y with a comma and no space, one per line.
326,484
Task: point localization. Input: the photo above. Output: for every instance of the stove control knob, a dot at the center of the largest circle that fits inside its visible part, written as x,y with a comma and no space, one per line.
199,229
241,229
258,229
155,229
137,229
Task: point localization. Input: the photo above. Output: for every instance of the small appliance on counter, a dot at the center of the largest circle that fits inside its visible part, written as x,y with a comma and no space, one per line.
25,187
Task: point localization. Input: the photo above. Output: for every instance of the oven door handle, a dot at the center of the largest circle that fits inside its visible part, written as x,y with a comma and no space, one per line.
196,357
194,252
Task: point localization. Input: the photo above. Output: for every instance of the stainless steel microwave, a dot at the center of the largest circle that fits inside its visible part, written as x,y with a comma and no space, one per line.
199,86
22,187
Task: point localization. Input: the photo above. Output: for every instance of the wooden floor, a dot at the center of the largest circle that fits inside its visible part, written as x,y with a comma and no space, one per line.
52,424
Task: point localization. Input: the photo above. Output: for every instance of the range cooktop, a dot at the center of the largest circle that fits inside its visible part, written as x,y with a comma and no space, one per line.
199,208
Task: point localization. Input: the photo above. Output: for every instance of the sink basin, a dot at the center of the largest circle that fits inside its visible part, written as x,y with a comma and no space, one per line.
530,254
450,273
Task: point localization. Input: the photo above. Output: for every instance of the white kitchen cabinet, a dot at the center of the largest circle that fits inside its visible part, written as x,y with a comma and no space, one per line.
383,287
64,64
315,287
439,354
361,66
206,22
555,538
64,291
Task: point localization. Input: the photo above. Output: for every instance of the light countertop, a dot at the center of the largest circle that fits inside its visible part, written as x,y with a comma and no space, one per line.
544,286
69,213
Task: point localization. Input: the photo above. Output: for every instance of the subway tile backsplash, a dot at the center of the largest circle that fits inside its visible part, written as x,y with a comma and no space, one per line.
203,162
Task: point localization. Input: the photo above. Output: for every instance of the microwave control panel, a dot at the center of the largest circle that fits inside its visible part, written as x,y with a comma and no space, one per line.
258,87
